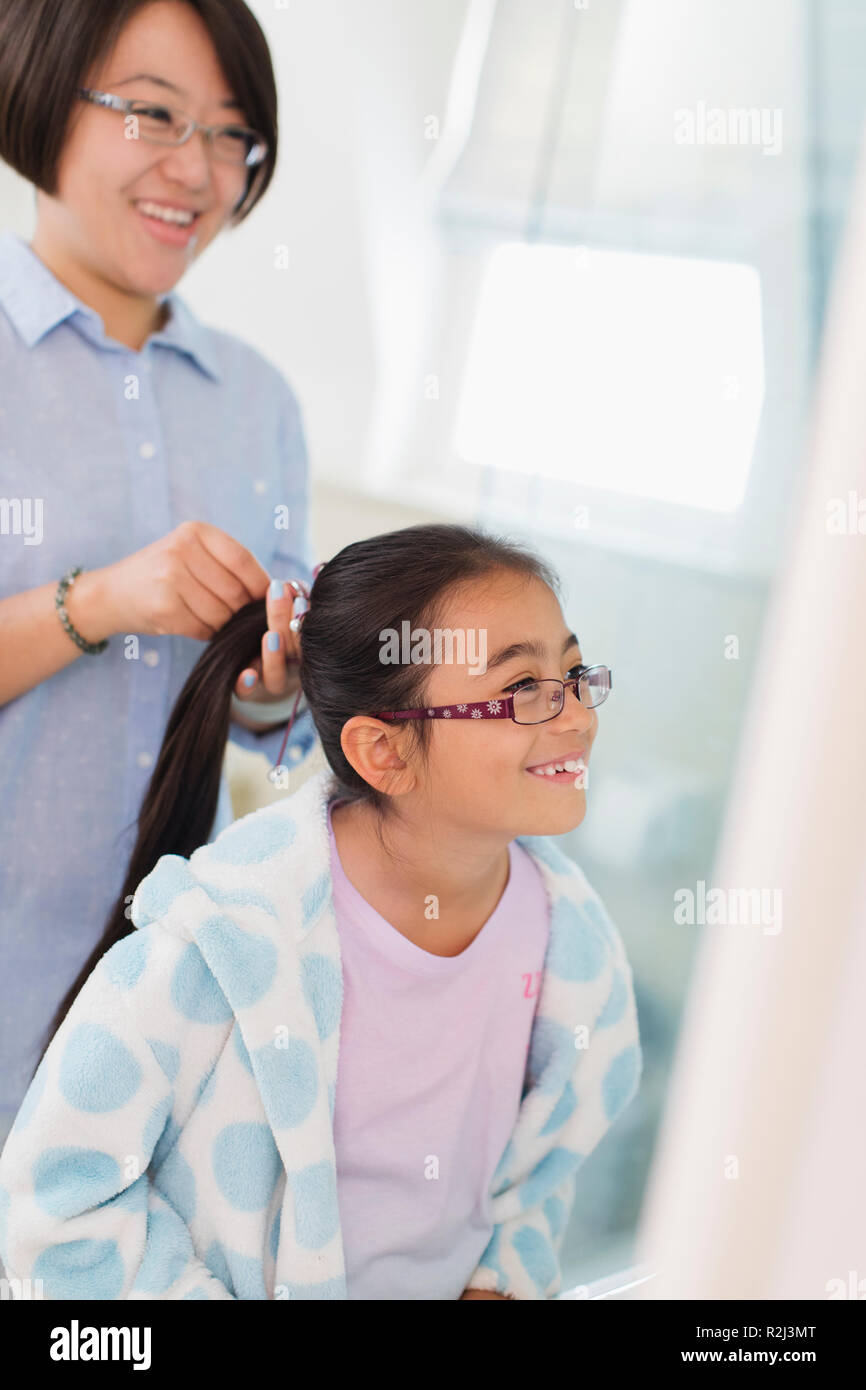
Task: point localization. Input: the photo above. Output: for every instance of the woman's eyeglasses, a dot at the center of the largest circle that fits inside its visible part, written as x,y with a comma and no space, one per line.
165,125
533,703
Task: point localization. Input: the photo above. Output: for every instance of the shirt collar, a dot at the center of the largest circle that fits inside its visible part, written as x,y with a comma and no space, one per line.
36,302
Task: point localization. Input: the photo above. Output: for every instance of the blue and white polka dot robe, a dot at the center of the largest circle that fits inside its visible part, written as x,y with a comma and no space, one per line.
177,1140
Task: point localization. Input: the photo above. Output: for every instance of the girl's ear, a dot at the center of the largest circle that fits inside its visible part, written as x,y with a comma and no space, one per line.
373,749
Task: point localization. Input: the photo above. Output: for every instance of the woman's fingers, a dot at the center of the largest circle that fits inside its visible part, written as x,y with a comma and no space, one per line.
275,671
242,578
275,675
280,646
207,606
218,576
227,586
246,688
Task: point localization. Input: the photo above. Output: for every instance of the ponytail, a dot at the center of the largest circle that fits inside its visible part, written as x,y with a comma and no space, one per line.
179,806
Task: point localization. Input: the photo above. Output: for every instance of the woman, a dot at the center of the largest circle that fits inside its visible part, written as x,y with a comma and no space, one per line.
164,459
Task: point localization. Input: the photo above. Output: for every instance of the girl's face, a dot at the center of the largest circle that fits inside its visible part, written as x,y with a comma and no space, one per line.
478,769
164,55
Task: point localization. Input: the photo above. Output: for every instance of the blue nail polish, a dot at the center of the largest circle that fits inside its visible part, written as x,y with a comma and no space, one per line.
249,678
277,588
273,641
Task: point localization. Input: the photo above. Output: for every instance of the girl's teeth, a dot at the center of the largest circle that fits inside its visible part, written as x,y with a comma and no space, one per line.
576,765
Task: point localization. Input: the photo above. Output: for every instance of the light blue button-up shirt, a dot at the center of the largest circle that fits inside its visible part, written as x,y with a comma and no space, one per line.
104,450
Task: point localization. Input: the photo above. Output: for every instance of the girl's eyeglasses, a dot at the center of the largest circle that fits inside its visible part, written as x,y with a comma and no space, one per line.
165,125
533,703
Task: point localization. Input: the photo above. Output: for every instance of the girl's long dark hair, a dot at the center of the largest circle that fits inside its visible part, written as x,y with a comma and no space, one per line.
179,805
373,584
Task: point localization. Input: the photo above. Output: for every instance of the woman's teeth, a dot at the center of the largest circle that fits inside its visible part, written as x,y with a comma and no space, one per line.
177,215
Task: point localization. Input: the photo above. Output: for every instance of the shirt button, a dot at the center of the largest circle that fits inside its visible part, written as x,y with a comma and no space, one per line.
144,759
151,658
294,753
260,485
147,450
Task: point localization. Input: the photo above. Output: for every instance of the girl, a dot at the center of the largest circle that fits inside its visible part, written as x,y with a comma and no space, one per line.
127,427
358,1046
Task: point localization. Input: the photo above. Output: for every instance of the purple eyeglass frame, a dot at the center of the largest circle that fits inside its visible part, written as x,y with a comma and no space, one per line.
483,709
499,708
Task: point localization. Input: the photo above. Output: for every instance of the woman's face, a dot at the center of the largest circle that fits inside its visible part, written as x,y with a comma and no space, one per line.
479,769
165,55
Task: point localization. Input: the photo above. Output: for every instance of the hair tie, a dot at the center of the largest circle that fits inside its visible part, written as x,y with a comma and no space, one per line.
303,592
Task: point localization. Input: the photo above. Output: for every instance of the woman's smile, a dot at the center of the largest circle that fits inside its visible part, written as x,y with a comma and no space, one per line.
167,222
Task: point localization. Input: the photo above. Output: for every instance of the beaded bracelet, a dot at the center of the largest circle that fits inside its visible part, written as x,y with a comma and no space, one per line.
92,648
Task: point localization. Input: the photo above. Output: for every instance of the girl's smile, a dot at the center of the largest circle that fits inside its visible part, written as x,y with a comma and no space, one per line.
572,769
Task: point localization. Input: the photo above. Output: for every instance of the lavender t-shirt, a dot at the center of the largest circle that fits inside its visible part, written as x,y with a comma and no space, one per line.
429,1082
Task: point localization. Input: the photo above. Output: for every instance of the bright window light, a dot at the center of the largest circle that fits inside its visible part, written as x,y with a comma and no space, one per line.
634,373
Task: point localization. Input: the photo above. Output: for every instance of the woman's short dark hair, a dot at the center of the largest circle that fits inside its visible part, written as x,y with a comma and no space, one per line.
47,48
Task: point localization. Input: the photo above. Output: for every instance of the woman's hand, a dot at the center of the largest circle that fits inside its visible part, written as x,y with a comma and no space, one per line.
189,582
276,670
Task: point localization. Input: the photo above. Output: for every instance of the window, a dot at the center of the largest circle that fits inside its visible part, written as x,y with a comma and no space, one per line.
632,373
